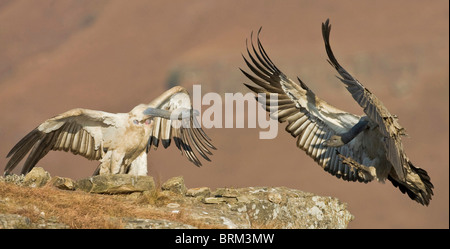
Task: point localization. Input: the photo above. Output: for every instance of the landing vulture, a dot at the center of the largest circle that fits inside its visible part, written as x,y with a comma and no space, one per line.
348,146
120,141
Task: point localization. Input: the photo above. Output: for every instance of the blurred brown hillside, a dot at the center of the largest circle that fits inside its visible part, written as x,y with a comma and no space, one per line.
112,55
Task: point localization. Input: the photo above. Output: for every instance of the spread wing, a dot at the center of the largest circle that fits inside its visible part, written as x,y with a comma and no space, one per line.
310,119
374,109
77,131
187,134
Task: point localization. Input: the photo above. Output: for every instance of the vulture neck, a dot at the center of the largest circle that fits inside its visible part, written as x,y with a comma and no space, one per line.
355,130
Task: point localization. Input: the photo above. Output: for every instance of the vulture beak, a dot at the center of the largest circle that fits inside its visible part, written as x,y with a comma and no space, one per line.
154,112
177,114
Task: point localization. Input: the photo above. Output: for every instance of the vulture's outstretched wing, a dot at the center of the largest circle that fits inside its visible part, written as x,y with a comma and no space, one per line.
187,134
373,108
77,131
309,118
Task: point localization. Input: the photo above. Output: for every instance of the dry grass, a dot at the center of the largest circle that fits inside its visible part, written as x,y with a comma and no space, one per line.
83,210
76,209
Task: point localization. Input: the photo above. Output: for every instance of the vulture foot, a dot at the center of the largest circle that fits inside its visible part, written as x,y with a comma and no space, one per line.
368,171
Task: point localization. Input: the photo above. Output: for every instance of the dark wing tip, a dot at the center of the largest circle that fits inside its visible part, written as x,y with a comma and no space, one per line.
165,143
327,23
18,152
254,89
326,30
303,85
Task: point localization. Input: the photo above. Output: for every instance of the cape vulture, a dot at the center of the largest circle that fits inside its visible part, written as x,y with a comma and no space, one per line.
120,141
348,146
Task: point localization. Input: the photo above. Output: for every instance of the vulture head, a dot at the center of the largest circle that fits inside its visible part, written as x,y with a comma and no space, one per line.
138,117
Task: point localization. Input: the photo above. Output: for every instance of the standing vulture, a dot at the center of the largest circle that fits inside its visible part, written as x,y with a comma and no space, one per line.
348,146
120,141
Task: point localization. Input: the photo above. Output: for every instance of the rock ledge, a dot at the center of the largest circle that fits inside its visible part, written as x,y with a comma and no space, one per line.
251,207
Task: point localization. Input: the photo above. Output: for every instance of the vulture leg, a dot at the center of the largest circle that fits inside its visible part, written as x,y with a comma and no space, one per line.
97,170
370,171
111,163
105,166
139,166
344,138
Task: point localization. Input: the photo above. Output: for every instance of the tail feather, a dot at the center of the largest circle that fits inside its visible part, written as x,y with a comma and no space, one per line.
420,191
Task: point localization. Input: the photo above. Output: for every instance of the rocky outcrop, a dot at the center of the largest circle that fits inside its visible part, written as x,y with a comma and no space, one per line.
15,221
262,207
115,184
251,207
37,177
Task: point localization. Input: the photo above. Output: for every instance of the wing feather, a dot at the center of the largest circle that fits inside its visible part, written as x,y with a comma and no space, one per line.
75,141
187,134
374,109
66,131
165,132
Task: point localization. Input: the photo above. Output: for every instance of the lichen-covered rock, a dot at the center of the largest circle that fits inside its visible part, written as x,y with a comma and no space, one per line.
198,192
116,184
63,183
14,221
37,177
282,207
15,179
263,207
226,192
214,200
133,223
175,185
